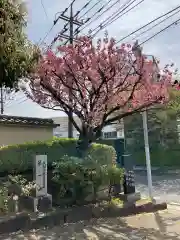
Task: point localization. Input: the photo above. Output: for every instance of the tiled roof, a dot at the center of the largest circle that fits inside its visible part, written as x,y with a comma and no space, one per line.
5,119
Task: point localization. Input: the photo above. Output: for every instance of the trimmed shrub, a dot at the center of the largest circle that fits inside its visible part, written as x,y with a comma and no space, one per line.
78,178
159,158
19,158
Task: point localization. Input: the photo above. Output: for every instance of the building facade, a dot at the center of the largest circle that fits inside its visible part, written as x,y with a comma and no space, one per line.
17,130
109,132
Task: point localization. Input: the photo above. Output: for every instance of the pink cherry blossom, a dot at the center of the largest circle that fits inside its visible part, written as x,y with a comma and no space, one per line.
106,82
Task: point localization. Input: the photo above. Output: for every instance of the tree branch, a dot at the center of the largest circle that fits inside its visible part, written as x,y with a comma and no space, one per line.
56,96
120,116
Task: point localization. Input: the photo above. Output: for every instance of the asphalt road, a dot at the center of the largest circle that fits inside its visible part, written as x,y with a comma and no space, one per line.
166,186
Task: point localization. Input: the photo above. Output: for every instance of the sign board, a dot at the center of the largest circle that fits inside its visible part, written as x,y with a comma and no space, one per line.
41,175
129,182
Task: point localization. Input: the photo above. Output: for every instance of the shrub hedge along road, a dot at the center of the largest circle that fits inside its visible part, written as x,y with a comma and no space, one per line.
20,158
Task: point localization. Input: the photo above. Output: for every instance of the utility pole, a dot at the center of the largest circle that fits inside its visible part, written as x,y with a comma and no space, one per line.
147,153
71,21
2,102
138,52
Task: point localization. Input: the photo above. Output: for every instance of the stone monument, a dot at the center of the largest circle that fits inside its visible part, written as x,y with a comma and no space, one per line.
43,200
130,195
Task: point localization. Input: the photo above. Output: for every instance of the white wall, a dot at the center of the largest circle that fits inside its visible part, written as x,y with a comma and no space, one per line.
111,128
63,134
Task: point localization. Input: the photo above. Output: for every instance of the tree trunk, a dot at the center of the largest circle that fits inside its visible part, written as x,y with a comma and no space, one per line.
86,138
83,145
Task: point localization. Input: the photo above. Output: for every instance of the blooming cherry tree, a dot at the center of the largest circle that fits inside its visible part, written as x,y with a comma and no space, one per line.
105,82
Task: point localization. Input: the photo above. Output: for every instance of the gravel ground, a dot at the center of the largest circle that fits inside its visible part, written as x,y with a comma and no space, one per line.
166,186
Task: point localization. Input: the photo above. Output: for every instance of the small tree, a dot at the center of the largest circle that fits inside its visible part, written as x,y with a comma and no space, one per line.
17,54
162,125
106,83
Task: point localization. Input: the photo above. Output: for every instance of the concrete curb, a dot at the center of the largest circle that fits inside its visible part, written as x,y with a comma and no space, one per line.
24,222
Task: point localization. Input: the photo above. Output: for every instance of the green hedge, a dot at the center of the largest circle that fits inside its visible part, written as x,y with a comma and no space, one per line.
159,157
20,157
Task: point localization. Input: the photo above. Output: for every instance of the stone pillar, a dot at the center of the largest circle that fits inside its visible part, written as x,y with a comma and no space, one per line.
129,179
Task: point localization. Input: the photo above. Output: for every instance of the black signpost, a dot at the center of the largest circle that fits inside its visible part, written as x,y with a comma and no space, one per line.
129,179
129,183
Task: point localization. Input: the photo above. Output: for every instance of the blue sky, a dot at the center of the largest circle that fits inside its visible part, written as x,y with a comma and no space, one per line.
165,46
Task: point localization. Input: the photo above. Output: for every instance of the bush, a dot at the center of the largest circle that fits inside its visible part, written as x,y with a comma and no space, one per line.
19,158
159,158
78,178
18,185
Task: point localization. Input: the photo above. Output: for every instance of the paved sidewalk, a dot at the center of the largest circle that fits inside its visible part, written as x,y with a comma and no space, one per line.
155,226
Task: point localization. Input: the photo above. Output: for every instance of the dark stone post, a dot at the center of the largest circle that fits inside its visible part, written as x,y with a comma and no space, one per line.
129,179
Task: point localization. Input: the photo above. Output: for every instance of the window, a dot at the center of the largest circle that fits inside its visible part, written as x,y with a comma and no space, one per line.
110,134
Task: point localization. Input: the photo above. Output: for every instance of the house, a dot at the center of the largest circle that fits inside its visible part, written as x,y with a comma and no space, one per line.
109,132
16,130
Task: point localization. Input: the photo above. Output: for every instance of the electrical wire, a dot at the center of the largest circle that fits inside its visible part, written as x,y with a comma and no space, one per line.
7,97
21,99
91,8
73,1
43,6
65,29
154,20
162,21
42,40
119,9
84,7
118,17
55,22
162,30
98,11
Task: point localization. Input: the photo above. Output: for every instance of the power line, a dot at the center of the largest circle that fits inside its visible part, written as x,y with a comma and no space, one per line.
123,13
65,28
84,7
6,96
23,101
73,1
162,30
154,20
87,4
109,17
71,21
98,11
42,3
162,21
18,101
55,22
42,40
91,8
117,16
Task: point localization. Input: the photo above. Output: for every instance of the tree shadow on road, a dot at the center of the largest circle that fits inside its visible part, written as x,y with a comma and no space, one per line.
121,230
100,229
161,224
